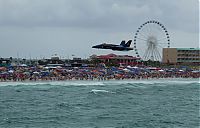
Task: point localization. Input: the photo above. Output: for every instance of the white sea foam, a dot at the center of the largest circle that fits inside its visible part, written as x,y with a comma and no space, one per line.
60,83
159,82
156,82
96,91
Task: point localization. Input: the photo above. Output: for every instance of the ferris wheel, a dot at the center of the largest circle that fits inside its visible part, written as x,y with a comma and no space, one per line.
150,39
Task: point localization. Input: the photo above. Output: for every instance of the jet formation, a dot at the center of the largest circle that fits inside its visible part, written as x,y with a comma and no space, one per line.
122,47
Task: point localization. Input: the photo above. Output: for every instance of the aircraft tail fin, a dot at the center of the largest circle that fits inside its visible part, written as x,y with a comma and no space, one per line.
128,44
123,43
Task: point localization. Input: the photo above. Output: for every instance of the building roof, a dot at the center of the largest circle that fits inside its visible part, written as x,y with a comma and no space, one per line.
188,48
184,48
114,56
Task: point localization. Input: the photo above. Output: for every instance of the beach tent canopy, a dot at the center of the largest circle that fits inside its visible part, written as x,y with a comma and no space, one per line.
129,66
196,71
153,68
23,65
58,67
126,70
4,73
36,73
10,71
26,73
132,67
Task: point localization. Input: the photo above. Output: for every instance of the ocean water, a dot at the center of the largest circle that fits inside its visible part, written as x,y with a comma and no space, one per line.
163,103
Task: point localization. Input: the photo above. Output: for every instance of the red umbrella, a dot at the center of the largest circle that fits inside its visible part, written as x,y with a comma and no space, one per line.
2,68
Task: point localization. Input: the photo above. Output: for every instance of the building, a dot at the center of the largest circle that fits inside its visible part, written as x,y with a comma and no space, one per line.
5,62
117,59
181,55
55,61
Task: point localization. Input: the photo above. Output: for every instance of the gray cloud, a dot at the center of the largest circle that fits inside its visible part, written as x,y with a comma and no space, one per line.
80,24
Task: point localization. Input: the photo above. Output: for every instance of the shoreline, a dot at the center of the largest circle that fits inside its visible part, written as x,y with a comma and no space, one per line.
97,80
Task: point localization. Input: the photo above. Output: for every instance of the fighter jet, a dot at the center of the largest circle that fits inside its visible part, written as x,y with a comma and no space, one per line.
122,47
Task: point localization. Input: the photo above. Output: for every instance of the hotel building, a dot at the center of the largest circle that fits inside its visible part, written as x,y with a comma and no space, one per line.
181,55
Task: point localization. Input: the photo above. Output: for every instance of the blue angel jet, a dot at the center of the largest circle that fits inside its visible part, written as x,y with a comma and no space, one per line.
122,47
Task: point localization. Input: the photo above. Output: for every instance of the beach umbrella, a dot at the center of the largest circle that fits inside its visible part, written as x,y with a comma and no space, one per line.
4,73
58,67
26,73
120,68
153,68
45,73
2,68
23,65
114,69
52,67
129,66
196,71
10,71
36,72
118,75
126,70
69,70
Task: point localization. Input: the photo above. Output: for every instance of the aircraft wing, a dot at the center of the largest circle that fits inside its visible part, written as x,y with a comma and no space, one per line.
122,47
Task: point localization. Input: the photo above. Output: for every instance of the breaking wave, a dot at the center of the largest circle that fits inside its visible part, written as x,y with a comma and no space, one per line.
154,82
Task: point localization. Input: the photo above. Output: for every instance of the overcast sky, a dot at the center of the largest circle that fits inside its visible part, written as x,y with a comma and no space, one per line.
41,28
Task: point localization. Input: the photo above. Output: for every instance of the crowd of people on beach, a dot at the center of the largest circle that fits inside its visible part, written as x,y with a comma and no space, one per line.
43,73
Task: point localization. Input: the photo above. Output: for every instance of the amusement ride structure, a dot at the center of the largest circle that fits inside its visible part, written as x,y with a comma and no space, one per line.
150,39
